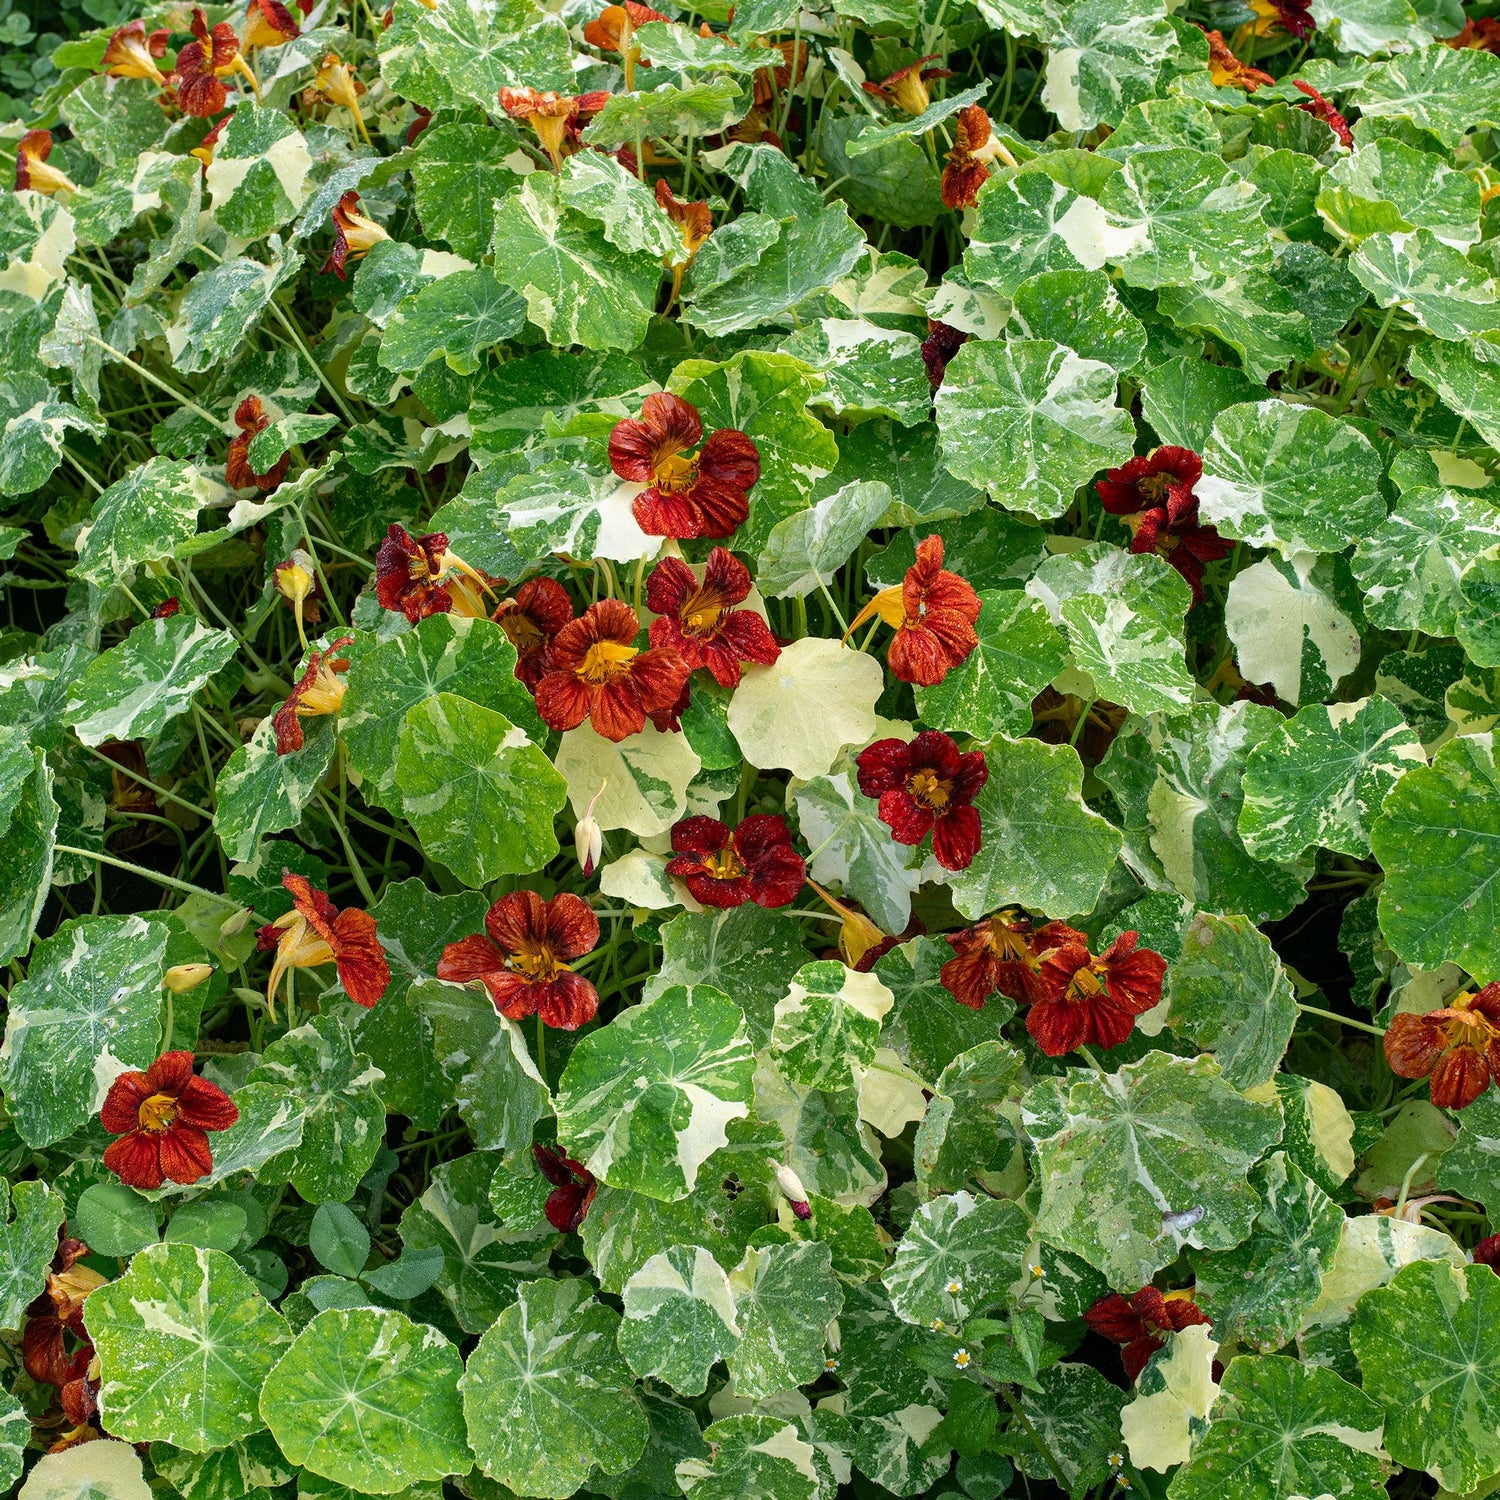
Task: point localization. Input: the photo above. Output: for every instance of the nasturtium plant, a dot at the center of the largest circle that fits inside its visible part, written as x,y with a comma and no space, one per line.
748,752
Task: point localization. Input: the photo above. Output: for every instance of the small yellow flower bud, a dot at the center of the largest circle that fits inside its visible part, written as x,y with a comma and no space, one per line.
181,978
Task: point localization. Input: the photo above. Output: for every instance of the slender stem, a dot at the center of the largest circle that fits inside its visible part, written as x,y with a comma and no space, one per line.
1329,1015
323,380
146,874
1036,1439
160,384
160,791
1346,395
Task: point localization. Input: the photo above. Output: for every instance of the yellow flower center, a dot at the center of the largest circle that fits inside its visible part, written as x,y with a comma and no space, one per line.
1154,486
674,473
157,1113
325,696
539,965
606,661
1085,984
929,790
725,865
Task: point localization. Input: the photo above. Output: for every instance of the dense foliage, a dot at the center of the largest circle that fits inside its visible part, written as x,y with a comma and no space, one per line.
750,753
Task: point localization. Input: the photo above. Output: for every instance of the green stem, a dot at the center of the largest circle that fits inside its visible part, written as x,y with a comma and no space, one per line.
141,870
1329,1015
160,384
1346,395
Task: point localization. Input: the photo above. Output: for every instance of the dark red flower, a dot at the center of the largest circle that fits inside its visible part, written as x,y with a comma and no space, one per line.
162,1117
756,862
523,962
167,608
530,621
927,786
557,119
211,56
1141,1324
573,1188
268,23
58,1312
967,167
315,932
1153,495
131,53
940,345
906,88
1322,109
319,691
698,619
418,125
32,171
1003,954
419,576
597,672
705,494
1487,1253
1094,1000
354,235
1481,34
251,419
1273,17
933,612
1458,1047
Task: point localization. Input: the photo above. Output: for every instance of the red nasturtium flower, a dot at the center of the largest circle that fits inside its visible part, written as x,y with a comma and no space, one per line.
573,1188
251,419
1003,954
540,609
419,576
596,672
320,691
162,1117
1225,70
1275,17
933,613
702,494
209,58
1322,109
975,146
522,958
58,1312
557,119
268,23
927,786
907,87
315,932
1458,1047
614,30
1094,1000
694,224
32,171
1480,35
132,53
1153,495
941,344
354,235
722,868
699,620
1141,1323
1487,1253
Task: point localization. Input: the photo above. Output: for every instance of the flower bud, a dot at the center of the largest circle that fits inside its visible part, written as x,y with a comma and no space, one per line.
232,926
181,978
588,837
793,1191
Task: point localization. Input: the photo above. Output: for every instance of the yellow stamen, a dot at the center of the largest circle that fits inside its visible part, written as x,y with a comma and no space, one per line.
605,661
157,1112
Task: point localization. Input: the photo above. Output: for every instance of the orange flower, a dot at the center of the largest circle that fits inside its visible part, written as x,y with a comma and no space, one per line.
315,932
1458,1047
694,223
907,87
204,150
557,119
354,236
58,1312
1003,954
337,83
421,577
133,54
32,171
1225,70
699,619
208,58
613,31
523,958
1481,35
1094,999
530,621
162,1117
933,612
1322,109
598,673
702,494
251,420
320,691
974,147
268,23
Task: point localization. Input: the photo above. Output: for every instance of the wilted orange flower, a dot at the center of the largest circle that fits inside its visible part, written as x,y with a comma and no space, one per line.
907,87
974,146
315,932
251,419
421,577
933,613
297,583
211,56
162,1117
702,494
694,223
268,23
319,691
1094,1000
1322,109
354,236
613,31
1225,70
32,171
1142,1323
1458,1047
597,672
336,82
133,54
557,119
57,1312
523,958
539,610
861,943
1003,954
204,150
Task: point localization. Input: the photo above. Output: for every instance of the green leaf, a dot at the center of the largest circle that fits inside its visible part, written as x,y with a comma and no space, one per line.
900,1452
680,1318
1388,187
1251,312
1437,89
827,1023
597,185
579,288
751,1458
1321,777
113,1219
669,112
1437,840
456,319
258,178
872,137
1020,651
645,1100
1282,1428
213,1224
1429,1350
461,56
880,1363
480,796
867,369
1122,1155
959,1257
89,1007
563,509
548,1396
1181,397
369,1399
26,859
1438,285
1076,1413
15,1433
31,1215
1472,1165
1469,383
221,306
135,689
269,445
1123,615
1042,848
111,1472
1081,310
141,518
1028,224
1291,477
926,1027
340,1242
1030,418
458,173
1102,57
185,1342
806,549
261,792
253,1464
672,46
829,1143
785,1298
645,777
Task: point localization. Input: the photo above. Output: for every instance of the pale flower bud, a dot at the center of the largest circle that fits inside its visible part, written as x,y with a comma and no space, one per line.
232,926
588,837
791,1186
181,978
